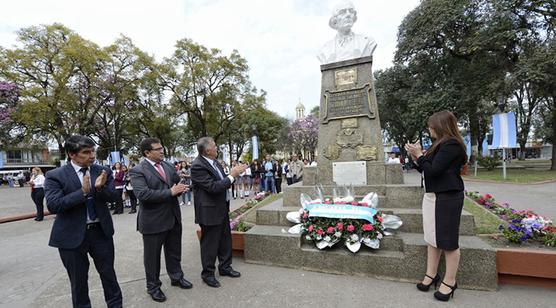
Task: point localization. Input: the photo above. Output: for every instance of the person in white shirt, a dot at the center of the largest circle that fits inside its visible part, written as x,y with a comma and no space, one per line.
37,191
392,159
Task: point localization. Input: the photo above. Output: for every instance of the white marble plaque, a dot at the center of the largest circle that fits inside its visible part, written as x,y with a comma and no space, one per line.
350,173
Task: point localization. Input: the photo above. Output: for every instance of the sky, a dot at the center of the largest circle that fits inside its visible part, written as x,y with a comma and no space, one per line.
279,39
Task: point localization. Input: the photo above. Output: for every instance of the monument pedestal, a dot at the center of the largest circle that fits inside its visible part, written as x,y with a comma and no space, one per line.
351,153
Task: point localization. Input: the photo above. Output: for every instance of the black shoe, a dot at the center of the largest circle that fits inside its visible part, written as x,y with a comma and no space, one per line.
445,297
230,272
158,296
182,283
425,287
211,282
132,211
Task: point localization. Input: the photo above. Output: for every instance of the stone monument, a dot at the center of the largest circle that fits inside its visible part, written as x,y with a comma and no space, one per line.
350,152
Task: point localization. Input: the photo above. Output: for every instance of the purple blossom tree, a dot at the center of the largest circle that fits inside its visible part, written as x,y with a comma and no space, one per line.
9,94
304,134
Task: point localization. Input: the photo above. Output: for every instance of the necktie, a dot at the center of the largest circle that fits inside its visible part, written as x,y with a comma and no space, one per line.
90,203
215,165
160,171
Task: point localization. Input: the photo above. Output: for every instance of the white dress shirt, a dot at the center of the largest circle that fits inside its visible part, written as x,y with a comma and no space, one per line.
77,169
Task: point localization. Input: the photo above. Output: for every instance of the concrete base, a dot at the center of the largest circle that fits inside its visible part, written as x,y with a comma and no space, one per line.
403,258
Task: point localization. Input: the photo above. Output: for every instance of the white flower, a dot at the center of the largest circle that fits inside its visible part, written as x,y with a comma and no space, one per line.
338,234
327,238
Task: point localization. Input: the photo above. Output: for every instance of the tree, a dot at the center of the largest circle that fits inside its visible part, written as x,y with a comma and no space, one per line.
57,72
210,89
9,95
304,135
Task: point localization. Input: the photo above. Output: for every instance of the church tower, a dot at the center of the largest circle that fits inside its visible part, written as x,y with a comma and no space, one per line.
299,111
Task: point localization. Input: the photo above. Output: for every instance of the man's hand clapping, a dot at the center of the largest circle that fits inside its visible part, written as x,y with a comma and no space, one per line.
178,189
237,170
101,180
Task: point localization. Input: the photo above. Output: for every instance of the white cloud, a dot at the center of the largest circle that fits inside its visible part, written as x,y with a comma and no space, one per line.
279,39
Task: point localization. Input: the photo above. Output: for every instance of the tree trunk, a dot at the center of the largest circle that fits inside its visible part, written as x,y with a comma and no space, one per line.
474,136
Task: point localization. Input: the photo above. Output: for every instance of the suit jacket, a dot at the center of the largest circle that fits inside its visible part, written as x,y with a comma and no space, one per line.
442,168
64,198
211,207
158,209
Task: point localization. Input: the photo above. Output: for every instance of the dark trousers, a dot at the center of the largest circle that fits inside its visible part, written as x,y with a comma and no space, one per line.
216,241
278,185
119,202
101,248
152,246
289,181
132,200
38,197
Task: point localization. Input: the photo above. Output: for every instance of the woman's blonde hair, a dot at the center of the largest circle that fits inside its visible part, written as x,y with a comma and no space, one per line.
37,170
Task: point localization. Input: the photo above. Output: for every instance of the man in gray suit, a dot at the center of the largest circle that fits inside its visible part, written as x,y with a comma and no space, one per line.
157,187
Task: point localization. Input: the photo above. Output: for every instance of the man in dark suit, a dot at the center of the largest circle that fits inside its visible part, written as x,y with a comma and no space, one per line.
212,204
157,187
77,193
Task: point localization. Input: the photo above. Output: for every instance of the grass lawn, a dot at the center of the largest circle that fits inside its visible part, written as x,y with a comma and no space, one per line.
485,221
513,175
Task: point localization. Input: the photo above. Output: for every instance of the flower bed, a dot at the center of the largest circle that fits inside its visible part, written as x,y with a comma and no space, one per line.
521,225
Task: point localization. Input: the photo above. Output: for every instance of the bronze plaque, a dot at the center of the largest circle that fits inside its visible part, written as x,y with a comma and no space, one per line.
346,77
332,152
348,104
367,152
349,138
349,123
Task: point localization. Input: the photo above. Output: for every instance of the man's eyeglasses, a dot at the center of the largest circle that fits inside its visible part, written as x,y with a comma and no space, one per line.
157,149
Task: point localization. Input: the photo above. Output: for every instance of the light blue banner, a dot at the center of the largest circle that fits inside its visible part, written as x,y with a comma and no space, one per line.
1,160
114,157
504,131
341,211
255,144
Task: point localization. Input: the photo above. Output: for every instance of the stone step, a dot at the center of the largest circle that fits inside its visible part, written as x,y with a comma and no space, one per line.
275,214
413,220
271,246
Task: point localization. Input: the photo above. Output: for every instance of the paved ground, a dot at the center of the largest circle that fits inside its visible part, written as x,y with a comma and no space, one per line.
32,275
541,198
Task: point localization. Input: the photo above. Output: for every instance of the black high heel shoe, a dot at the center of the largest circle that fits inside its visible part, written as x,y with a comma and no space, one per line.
425,287
446,297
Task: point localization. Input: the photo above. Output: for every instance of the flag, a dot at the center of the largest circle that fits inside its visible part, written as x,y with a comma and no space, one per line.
504,131
114,157
255,145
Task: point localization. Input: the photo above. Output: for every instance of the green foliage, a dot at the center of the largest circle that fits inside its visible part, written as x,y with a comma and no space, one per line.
489,162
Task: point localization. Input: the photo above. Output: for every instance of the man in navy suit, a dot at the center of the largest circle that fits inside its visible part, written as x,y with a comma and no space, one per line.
77,193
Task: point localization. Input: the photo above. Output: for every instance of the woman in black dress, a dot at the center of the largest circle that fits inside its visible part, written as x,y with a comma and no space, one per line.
443,200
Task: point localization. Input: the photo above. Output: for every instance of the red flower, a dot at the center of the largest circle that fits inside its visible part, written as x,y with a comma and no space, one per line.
354,203
350,228
311,228
326,202
364,204
320,232
379,218
340,226
305,215
368,227
330,230
488,196
481,201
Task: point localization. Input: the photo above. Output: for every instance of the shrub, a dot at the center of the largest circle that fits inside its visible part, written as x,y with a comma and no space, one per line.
489,162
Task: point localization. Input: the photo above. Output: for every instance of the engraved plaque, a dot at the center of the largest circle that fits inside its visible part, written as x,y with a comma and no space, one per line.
349,138
332,152
348,104
367,152
345,77
349,123
350,173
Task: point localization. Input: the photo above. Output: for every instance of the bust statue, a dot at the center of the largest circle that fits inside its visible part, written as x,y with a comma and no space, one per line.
346,44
